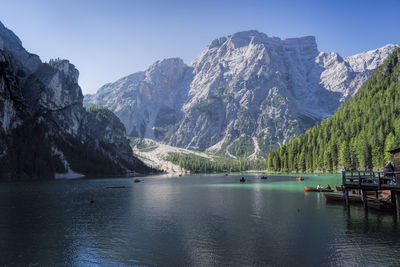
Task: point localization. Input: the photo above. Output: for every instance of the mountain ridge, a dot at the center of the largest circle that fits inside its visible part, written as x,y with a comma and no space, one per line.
45,130
243,87
358,136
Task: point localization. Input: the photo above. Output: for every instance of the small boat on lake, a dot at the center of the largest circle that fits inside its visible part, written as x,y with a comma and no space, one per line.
356,198
380,205
137,181
299,178
314,189
338,197
317,174
356,192
264,177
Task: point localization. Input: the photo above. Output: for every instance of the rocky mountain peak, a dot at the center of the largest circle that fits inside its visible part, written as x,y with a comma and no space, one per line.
11,43
254,38
68,69
345,75
165,64
303,41
166,71
370,60
245,93
44,128
246,38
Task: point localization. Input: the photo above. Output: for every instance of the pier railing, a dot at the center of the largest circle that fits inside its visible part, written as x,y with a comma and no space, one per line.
371,179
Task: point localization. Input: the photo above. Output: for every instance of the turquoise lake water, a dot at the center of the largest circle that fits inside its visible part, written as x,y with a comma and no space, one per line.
190,221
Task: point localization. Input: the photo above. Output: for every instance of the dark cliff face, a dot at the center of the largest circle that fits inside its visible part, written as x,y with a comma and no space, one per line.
111,136
11,102
44,127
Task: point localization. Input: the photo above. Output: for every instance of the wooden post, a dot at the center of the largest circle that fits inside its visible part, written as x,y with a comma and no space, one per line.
346,195
394,202
379,180
398,202
393,197
364,199
343,177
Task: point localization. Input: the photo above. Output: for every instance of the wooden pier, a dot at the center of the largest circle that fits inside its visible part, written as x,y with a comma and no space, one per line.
372,181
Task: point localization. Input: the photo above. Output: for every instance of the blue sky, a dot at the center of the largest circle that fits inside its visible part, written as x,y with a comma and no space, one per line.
107,40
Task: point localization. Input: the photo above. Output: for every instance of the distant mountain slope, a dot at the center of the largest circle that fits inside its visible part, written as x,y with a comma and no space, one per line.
246,94
45,131
148,101
357,135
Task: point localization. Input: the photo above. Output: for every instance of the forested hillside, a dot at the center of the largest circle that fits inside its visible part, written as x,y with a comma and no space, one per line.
357,136
45,132
198,164
244,95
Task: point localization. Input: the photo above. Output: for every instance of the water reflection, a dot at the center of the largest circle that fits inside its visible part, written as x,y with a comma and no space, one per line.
188,221
366,236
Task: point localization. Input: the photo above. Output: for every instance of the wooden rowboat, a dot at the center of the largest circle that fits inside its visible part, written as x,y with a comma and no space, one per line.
380,205
299,178
340,189
334,197
314,189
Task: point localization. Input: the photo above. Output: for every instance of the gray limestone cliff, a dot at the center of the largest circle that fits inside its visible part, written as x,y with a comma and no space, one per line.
246,94
45,130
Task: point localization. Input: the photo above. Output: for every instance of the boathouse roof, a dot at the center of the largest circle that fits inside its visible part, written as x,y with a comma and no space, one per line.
394,150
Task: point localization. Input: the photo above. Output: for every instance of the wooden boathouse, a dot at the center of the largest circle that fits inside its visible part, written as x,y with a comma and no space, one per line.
374,181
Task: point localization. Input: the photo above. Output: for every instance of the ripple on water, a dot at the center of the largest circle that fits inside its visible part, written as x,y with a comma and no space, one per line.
201,220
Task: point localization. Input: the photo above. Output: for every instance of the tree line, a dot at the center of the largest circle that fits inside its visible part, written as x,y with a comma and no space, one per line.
357,136
200,164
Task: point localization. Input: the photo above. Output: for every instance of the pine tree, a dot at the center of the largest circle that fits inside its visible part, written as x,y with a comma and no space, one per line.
344,156
358,134
389,144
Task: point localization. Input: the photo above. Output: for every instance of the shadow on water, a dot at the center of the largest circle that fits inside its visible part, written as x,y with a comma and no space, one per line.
198,220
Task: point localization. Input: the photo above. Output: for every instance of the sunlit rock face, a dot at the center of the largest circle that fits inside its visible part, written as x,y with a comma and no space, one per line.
147,101
33,93
246,85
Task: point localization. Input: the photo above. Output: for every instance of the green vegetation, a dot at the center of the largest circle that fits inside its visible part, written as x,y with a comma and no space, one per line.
358,134
29,154
84,158
266,143
246,122
242,147
56,61
217,97
105,116
142,145
200,164
275,101
204,104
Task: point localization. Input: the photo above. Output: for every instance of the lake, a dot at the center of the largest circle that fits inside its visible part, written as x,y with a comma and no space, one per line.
189,221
